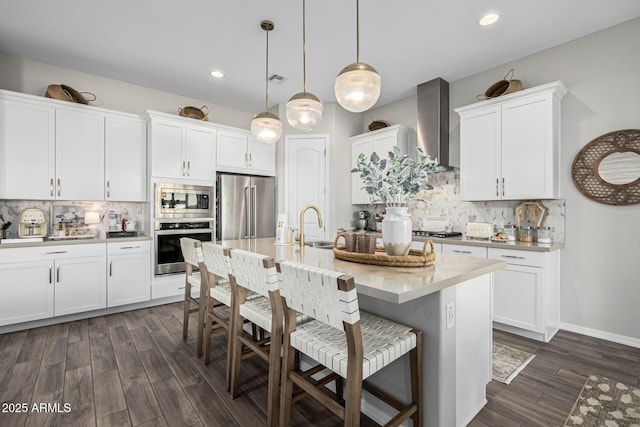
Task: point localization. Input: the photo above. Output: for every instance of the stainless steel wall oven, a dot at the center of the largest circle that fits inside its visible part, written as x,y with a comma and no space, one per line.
168,254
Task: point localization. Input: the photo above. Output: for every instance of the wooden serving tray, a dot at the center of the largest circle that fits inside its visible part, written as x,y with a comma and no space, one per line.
415,258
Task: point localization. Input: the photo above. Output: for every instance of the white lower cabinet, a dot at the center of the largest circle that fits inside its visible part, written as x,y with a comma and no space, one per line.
26,291
526,295
47,281
128,273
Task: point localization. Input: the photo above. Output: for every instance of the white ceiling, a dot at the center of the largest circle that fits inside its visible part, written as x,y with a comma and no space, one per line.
173,45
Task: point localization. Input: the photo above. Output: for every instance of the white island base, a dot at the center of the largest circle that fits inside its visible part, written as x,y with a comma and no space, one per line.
456,359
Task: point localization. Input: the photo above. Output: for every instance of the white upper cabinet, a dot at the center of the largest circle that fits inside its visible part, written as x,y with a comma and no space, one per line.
54,150
239,151
381,142
79,155
510,146
125,159
27,150
182,148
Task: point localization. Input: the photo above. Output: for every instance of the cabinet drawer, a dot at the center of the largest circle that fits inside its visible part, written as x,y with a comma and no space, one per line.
52,252
474,251
123,248
512,256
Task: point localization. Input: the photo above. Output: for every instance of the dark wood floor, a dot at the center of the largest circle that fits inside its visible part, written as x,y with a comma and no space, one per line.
134,369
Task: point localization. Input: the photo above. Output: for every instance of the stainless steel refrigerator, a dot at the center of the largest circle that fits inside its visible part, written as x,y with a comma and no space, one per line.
245,206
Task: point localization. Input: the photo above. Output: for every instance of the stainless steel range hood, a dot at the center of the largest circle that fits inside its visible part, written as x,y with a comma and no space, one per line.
433,119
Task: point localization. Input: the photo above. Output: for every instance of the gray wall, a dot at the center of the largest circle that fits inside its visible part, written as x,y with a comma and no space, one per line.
600,286
28,76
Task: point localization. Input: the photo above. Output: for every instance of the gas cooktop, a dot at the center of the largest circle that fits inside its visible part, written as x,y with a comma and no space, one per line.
444,234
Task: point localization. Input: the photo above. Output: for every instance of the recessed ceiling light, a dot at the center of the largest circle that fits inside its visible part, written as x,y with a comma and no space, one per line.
488,19
217,74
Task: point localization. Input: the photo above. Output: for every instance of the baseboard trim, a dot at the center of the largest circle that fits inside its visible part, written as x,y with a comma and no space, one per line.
595,333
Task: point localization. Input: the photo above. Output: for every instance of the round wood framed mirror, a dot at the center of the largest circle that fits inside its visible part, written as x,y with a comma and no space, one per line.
607,169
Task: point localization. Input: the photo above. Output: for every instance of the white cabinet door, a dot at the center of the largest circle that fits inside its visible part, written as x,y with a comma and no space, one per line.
200,153
262,157
527,150
167,141
517,297
27,150
480,155
26,291
128,273
125,159
79,155
359,146
80,285
232,150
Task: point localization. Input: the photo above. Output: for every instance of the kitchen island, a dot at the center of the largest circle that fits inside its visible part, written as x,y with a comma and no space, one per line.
449,301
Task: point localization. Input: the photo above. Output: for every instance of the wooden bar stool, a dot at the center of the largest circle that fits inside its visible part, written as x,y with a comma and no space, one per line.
193,259
255,272
353,344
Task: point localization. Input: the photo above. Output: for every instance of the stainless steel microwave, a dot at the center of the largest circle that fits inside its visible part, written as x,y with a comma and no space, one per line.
183,201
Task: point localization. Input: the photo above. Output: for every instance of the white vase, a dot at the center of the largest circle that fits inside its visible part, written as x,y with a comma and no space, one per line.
396,231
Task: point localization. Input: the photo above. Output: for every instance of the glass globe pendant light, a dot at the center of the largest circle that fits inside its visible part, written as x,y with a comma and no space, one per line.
266,126
304,109
358,85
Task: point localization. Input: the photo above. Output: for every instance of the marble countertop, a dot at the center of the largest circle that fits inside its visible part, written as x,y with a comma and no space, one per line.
392,284
57,242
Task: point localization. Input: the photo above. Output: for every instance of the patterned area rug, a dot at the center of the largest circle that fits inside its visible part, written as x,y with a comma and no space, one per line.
508,362
607,403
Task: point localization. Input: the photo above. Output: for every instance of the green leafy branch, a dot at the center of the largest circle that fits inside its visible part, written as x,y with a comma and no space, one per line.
397,179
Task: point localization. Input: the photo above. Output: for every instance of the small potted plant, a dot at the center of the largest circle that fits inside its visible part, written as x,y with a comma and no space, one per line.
395,181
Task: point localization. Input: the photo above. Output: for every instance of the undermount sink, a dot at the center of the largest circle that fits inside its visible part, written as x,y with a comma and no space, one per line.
320,244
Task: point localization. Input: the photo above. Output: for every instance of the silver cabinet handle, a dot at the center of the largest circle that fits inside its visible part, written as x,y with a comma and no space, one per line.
502,186
184,172
50,274
497,184
249,159
108,189
51,186
53,252
514,257
59,186
58,273
130,247
458,251
188,167
246,162
110,268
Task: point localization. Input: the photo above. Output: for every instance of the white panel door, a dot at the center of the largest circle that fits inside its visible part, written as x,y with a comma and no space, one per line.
305,182
81,285
262,157
125,159
27,151
527,148
201,153
480,135
26,291
79,155
232,150
167,149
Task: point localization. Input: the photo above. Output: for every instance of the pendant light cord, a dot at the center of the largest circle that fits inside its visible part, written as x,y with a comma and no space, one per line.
266,76
357,31
304,48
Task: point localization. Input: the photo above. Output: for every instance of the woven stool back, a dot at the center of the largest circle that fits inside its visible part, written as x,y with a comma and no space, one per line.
254,271
327,296
216,258
191,251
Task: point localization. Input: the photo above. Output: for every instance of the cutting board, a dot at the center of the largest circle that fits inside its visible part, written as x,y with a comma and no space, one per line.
531,212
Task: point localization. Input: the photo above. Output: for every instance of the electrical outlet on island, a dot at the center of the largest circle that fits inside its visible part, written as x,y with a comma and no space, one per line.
451,315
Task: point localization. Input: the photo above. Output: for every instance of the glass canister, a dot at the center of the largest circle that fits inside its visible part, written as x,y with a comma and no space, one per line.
526,233
545,235
510,230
